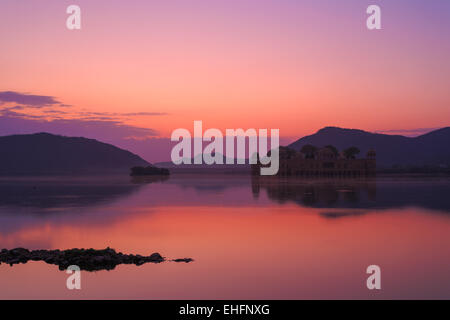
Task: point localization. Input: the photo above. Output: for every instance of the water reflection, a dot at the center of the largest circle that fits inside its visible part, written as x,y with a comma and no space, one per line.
69,200
56,193
95,201
230,225
50,196
148,179
371,193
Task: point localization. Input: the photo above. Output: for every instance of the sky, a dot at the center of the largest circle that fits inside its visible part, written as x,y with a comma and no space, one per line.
139,69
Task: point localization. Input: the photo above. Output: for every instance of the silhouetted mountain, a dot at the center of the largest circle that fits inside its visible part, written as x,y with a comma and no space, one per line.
44,153
430,149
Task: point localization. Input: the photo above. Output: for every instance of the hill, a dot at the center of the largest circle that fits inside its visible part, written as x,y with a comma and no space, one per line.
430,149
45,153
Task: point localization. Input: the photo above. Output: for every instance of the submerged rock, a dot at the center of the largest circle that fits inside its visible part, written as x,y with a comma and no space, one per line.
187,260
86,259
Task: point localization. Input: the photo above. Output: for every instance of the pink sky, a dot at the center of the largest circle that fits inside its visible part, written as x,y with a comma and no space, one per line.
293,65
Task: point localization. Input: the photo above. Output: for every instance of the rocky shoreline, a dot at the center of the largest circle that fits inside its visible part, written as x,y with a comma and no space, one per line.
86,259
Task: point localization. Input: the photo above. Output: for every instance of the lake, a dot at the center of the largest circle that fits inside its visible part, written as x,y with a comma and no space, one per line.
250,237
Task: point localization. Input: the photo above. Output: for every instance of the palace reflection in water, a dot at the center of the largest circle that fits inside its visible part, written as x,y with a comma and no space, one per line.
370,192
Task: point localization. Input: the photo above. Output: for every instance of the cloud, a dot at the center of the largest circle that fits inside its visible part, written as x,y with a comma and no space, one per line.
148,145
408,132
52,111
9,112
11,123
44,113
30,100
117,115
37,113
15,108
145,114
28,103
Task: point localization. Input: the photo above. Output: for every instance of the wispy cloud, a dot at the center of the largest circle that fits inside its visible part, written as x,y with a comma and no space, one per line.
29,113
408,132
13,124
49,106
30,100
143,141
151,114
117,115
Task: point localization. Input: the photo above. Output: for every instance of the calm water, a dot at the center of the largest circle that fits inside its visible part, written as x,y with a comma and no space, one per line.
250,238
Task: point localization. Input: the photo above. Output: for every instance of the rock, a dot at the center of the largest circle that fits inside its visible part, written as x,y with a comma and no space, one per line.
186,260
149,171
86,259
156,257
19,252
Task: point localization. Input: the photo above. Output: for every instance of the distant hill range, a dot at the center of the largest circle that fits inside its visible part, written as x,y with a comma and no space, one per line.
44,153
431,149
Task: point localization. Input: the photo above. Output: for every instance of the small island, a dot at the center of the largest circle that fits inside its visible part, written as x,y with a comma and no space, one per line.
149,171
85,259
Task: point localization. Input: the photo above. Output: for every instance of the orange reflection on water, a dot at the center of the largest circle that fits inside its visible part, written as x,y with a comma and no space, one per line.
272,252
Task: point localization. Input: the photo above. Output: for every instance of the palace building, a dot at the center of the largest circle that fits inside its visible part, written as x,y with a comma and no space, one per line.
324,162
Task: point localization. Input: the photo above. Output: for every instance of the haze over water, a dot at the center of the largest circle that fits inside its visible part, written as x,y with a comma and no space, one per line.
251,238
